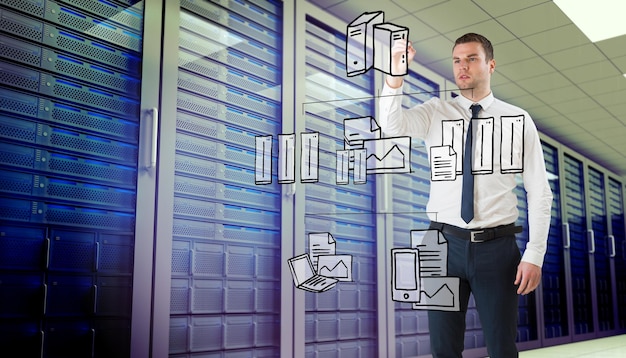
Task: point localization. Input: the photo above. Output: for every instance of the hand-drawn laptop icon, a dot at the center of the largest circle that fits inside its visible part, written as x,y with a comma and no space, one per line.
305,277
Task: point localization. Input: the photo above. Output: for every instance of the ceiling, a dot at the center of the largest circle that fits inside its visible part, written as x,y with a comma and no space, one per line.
574,89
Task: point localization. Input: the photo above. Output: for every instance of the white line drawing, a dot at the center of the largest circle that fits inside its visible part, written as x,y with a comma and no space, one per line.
384,36
439,294
360,166
443,163
512,144
321,243
388,155
305,277
368,44
482,145
356,130
436,290
321,268
286,158
335,266
309,168
360,42
263,160
405,275
343,167
452,133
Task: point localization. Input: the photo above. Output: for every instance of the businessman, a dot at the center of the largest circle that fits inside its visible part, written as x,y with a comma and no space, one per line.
476,210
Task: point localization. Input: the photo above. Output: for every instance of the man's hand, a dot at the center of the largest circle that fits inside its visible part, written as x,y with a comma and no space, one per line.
528,277
402,53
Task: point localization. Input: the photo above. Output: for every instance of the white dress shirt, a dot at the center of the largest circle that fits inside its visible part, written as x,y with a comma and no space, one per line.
495,202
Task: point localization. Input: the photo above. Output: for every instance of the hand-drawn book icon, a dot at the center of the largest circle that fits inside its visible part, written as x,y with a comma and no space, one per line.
388,155
360,46
405,275
263,160
309,159
305,277
286,158
384,37
453,135
512,144
482,145
442,163
335,266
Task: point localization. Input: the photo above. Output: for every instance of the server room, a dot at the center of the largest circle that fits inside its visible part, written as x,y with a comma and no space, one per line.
217,178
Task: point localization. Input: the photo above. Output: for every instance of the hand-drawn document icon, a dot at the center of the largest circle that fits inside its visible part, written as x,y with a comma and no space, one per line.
305,277
388,155
321,243
360,46
336,266
442,163
512,144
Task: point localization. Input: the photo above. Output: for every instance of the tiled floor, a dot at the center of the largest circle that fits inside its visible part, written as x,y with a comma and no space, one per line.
610,347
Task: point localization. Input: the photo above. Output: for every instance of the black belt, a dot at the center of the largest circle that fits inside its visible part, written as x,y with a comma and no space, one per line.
477,235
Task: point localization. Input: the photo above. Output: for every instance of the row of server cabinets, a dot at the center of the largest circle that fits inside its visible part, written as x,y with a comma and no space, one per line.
71,138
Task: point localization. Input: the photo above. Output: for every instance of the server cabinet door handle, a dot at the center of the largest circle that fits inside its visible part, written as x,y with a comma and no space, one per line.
566,242
612,239
592,241
155,135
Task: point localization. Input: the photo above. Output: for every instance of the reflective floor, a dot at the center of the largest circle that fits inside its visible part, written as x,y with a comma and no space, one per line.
610,347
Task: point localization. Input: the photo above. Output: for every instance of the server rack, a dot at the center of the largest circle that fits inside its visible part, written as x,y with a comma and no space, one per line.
219,233
343,319
70,74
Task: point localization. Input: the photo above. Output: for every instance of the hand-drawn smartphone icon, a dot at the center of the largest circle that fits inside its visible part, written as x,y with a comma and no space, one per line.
405,277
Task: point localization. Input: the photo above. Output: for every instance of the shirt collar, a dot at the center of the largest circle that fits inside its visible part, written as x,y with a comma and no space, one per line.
485,102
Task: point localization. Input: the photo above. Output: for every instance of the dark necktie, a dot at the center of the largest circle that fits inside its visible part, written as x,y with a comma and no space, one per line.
467,199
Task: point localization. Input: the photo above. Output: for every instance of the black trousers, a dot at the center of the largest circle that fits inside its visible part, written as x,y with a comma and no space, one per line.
487,270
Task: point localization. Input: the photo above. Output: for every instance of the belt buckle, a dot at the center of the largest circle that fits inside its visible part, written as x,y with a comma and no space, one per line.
473,235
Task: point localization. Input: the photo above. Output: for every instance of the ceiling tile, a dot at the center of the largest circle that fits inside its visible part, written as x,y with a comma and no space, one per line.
418,30
620,62
491,29
605,85
511,51
614,47
499,8
544,83
592,71
576,105
562,94
574,57
528,68
556,39
452,15
534,20
508,91
611,99
433,49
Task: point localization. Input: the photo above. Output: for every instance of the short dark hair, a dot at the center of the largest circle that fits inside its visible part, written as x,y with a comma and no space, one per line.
472,37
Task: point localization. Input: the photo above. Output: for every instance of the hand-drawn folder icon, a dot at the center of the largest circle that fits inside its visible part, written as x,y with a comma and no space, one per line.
305,278
356,130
